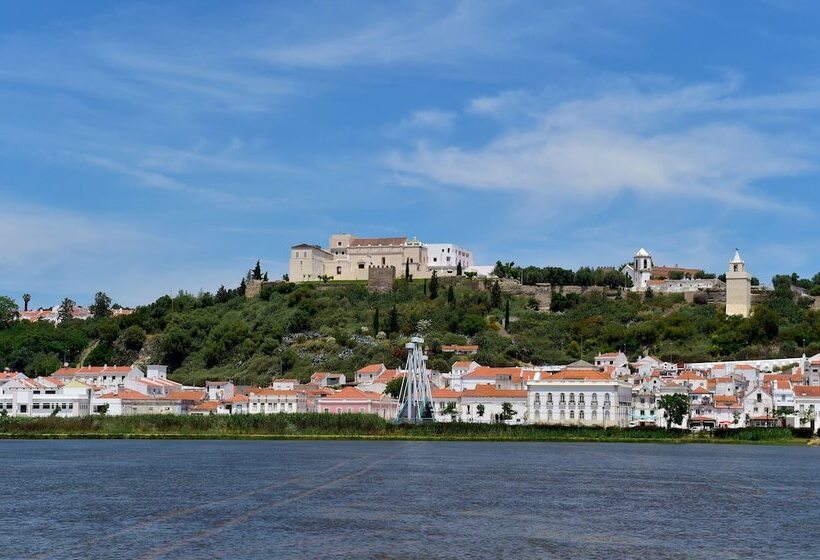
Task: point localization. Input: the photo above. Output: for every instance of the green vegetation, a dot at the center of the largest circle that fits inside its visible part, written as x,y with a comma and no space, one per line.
675,407
294,330
584,276
352,426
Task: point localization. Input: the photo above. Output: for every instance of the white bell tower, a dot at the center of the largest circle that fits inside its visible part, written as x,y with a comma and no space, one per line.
642,264
738,287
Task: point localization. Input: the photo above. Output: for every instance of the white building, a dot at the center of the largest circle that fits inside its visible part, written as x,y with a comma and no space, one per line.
580,397
105,377
738,288
807,401
615,360
640,269
485,405
28,397
445,257
276,401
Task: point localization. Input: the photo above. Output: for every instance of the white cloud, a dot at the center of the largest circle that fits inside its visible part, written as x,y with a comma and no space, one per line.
426,120
680,142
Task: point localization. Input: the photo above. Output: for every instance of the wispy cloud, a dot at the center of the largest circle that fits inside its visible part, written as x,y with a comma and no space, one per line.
681,142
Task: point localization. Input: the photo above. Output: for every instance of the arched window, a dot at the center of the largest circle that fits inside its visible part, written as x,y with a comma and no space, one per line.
572,398
606,398
606,416
549,414
563,415
581,415
581,399
562,399
572,415
537,415
549,398
594,414
537,399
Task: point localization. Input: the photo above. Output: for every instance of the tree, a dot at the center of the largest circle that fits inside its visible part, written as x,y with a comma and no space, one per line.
26,299
470,274
407,270
807,417
434,285
257,271
101,306
376,322
424,289
479,409
393,321
495,295
325,278
393,387
649,293
242,286
507,314
451,296
459,270
507,411
450,410
222,295
8,310
675,408
102,410
133,338
66,310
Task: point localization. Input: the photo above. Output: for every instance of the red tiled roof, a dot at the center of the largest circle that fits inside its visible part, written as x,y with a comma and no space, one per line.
126,395
372,368
807,391
701,391
580,375
267,392
485,372
93,370
445,394
351,393
187,395
377,241
488,391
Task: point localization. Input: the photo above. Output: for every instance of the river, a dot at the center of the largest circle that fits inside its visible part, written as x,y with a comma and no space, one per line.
382,499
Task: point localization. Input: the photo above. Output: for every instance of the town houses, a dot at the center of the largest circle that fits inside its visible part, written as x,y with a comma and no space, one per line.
611,392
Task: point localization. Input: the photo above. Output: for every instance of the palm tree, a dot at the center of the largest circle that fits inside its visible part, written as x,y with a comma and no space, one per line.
26,299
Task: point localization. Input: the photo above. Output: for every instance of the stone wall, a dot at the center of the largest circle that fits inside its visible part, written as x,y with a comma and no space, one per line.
381,279
253,288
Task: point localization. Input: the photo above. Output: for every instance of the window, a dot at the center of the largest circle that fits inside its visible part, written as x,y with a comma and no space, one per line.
572,415
339,244
549,414
594,414
549,398
361,266
572,398
537,399
606,398
435,259
581,399
581,415
384,261
562,399
563,415
338,270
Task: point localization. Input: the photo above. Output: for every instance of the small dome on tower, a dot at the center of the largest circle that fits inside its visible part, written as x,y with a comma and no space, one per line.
642,253
736,259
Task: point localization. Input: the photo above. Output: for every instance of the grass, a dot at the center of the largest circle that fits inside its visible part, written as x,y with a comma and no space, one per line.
356,426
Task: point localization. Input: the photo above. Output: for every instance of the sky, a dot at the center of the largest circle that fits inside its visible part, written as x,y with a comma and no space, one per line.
152,147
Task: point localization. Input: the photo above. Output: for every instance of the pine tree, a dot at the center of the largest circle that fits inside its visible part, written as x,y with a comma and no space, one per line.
376,322
222,294
265,277
495,295
257,271
425,286
451,296
407,271
66,310
459,270
433,286
241,289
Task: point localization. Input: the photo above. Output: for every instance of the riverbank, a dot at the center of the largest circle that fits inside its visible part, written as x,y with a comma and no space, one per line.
364,427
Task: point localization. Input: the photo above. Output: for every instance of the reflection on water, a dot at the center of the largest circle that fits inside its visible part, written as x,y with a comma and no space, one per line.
293,499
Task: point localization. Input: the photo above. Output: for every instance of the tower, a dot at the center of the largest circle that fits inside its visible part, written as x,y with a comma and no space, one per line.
738,288
642,264
415,397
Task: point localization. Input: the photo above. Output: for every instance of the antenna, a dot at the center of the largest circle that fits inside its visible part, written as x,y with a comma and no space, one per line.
415,397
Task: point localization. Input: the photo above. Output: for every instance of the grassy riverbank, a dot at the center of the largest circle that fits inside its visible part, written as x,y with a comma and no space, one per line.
355,426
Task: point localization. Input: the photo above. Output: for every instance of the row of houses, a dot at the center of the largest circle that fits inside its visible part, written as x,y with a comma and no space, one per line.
611,392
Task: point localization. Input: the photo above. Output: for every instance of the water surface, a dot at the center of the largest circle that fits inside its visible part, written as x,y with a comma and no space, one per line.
336,499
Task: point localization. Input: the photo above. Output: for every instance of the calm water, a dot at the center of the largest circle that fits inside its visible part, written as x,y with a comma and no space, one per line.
243,499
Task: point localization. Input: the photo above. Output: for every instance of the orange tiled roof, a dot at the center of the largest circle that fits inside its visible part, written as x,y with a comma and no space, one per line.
445,394
92,370
187,395
126,394
488,391
267,392
807,391
377,241
372,368
580,375
351,393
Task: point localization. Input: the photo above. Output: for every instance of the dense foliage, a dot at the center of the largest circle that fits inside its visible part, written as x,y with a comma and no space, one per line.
295,330
354,426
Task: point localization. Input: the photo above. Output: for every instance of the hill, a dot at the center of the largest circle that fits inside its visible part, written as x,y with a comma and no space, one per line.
295,330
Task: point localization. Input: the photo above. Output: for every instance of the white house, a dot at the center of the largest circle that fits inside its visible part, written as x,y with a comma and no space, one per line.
579,396
445,258
105,377
457,372
615,360
276,401
485,404
324,379
369,373
27,397
758,407
807,401
446,404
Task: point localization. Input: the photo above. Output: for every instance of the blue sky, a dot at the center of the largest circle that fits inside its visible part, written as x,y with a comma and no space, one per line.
148,147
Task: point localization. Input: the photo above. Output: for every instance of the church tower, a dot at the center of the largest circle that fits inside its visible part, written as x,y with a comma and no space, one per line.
738,288
642,265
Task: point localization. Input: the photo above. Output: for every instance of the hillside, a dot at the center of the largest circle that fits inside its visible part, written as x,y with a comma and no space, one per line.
296,330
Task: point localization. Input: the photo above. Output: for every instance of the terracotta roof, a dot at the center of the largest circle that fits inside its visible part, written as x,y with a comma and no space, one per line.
388,375
351,393
445,394
462,365
236,399
690,375
126,394
745,366
377,241
702,419
205,406
372,368
701,391
488,391
608,355
807,391
187,395
580,375
725,399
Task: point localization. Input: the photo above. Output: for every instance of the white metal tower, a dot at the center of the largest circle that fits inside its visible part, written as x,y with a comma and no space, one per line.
415,398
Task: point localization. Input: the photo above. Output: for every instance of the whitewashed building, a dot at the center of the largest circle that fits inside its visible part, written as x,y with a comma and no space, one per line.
276,401
445,258
484,404
579,397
